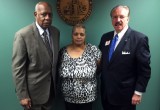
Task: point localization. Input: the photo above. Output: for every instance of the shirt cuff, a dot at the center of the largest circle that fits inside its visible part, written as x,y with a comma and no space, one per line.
138,93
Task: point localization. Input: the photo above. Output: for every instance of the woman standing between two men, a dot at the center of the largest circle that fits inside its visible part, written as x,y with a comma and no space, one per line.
78,64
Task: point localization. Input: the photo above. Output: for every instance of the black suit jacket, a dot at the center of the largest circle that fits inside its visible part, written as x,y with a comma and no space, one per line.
129,68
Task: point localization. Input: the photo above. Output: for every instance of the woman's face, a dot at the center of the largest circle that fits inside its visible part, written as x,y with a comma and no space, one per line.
78,36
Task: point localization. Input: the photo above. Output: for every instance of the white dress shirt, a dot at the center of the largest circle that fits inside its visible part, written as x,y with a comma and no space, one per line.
41,31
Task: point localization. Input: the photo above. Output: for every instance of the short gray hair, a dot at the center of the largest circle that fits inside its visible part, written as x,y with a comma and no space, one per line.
125,7
40,3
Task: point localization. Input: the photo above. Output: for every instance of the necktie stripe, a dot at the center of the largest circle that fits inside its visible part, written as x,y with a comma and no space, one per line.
46,41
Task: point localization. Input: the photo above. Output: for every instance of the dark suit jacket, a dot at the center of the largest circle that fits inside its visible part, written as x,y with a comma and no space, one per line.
128,69
32,65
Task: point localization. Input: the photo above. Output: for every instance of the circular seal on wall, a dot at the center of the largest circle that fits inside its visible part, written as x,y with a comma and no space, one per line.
74,11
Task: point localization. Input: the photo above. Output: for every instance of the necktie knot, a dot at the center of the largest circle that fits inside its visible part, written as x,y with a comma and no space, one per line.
116,37
44,33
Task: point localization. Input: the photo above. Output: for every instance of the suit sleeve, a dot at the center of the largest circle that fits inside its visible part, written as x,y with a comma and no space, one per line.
143,65
19,65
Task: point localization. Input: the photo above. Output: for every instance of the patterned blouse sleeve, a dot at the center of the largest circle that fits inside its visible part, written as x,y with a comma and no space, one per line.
97,52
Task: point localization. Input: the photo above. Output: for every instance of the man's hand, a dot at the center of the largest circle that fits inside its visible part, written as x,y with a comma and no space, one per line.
136,99
26,103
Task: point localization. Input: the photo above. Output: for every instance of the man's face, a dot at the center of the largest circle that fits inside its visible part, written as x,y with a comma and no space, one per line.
43,16
120,18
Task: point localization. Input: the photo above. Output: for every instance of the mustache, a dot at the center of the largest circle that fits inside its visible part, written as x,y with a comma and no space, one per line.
118,23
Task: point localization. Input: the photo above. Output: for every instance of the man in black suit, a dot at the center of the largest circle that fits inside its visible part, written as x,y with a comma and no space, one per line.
34,60
126,74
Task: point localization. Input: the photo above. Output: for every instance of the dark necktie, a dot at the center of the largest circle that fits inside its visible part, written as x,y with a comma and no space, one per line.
113,46
47,43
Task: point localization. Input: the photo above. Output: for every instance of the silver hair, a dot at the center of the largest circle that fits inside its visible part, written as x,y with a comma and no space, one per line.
40,3
125,7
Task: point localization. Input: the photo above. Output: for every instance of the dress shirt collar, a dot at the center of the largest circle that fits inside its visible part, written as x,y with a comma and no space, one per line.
121,34
41,30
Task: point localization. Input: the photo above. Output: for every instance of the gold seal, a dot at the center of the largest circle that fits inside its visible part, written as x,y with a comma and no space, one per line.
74,11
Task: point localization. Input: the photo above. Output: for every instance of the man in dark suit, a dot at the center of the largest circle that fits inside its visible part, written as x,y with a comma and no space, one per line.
126,73
34,60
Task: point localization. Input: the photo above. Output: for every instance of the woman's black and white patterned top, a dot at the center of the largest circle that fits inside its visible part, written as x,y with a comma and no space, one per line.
78,75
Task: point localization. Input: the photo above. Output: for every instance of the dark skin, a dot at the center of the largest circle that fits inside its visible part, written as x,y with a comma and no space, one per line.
43,16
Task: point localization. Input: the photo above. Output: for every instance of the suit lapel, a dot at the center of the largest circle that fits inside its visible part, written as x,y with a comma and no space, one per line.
40,40
107,47
121,45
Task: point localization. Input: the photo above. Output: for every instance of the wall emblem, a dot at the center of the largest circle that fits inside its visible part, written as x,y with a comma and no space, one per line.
74,11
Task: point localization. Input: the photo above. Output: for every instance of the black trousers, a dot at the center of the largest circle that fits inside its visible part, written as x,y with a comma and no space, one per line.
107,106
73,106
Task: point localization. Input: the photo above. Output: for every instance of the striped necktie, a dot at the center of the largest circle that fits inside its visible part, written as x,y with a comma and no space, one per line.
46,41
